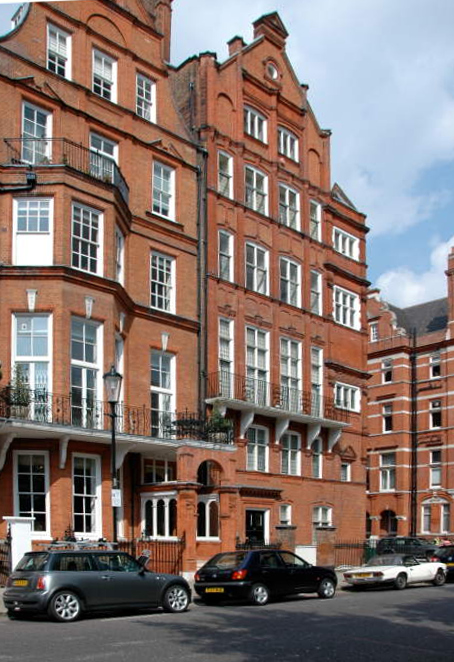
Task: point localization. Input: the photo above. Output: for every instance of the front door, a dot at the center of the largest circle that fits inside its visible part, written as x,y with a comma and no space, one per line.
255,526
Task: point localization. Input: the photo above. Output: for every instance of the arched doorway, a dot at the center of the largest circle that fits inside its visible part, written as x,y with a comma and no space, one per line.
388,523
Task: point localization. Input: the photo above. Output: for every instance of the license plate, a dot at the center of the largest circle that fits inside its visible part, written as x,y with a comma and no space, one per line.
450,565
363,574
20,582
217,589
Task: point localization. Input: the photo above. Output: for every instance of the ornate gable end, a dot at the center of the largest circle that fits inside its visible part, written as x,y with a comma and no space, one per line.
271,26
338,194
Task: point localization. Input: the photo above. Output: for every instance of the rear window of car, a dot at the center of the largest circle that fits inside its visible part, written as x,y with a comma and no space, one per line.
230,560
31,562
72,562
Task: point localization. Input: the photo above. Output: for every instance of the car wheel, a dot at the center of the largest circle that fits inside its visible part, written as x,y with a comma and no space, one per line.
439,579
326,588
259,594
401,581
176,599
65,606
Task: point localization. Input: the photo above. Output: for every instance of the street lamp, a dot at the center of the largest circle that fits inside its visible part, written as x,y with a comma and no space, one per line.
112,384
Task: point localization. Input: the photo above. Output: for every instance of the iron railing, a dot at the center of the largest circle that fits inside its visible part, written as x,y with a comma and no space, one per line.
40,406
265,394
257,545
5,558
165,555
63,152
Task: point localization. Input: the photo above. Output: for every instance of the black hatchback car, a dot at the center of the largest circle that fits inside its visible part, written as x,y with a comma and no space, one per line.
257,575
406,545
445,554
64,584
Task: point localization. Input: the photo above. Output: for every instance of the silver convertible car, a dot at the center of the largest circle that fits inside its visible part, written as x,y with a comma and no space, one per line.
397,570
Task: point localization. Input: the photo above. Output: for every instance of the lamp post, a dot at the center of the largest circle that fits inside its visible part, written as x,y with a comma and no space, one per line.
112,384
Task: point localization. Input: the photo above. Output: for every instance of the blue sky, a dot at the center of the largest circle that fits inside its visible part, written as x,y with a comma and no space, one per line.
381,77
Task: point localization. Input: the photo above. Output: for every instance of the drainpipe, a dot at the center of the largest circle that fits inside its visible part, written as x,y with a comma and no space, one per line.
30,184
201,276
414,436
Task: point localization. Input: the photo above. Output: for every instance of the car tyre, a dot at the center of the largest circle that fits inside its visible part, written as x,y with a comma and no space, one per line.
439,579
259,595
326,588
176,599
65,606
400,582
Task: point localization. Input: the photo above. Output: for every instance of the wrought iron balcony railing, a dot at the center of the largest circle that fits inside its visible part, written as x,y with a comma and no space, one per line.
63,152
261,393
43,407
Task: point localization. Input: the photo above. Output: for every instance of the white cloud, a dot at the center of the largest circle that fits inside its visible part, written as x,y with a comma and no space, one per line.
405,287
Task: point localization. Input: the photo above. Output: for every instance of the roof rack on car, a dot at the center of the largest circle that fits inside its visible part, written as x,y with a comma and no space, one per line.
82,544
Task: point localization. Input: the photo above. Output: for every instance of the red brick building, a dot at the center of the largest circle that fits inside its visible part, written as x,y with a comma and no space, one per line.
179,224
410,454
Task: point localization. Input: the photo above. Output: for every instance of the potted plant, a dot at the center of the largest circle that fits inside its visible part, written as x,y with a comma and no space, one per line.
18,394
218,427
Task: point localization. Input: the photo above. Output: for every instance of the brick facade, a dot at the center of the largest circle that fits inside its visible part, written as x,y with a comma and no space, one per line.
112,257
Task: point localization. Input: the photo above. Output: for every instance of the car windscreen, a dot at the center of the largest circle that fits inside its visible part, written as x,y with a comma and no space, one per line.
31,562
227,560
387,559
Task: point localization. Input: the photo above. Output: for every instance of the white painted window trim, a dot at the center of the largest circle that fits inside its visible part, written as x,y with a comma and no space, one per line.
288,191
67,37
113,81
154,497
229,256
256,446
171,298
255,268
100,246
98,532
315,220
99,354
291,452
48,131
149,104
207,500
254,204
28,233
252,119
284,138
36,535
346,244
171,216
344,394
350,309
227,174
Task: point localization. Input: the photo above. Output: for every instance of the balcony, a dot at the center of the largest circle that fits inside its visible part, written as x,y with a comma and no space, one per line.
38,408
255,396
63,152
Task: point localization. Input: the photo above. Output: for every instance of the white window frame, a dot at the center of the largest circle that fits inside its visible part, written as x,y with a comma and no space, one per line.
289,207
346,308
40,148
435,468
316,300
145,97
106,83
387,416
426,518
290,281
290,352
285,514
322,516
36,535
257,365
287,143
315,220
61,51
257,268
347,397
163,289
33,247
257,455
97,510
103,157
255,124
435,411
435,365
164,392
256,190
388,463
87,244
346,472
445,517
226,356
387,371
317,378
169,470
163,190
346,244
119,256
373,329
207,501
85,366
225,174
317,458
225,255
291,454
155,497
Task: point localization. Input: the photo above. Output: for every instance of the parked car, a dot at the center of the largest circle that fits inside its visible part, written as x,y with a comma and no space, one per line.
406,545
257,575
445,554
65,584
397,570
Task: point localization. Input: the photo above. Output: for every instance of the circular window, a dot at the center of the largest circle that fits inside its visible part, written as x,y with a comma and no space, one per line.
272,71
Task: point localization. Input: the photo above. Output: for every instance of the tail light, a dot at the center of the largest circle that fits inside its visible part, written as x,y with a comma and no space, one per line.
347,575
239,574
433,559
41,583
197,577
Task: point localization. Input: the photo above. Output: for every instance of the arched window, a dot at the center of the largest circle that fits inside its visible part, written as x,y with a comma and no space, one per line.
201,519
149,518
213,519
208,517
161,525
159,515
173,517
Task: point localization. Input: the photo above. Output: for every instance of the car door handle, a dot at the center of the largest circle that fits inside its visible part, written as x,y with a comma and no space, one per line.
106,578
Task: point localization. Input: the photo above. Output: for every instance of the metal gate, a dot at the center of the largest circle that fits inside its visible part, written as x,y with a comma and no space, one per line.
165,555
5,558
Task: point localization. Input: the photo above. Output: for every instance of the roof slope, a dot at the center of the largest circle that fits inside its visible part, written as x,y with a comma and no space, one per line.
424,317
